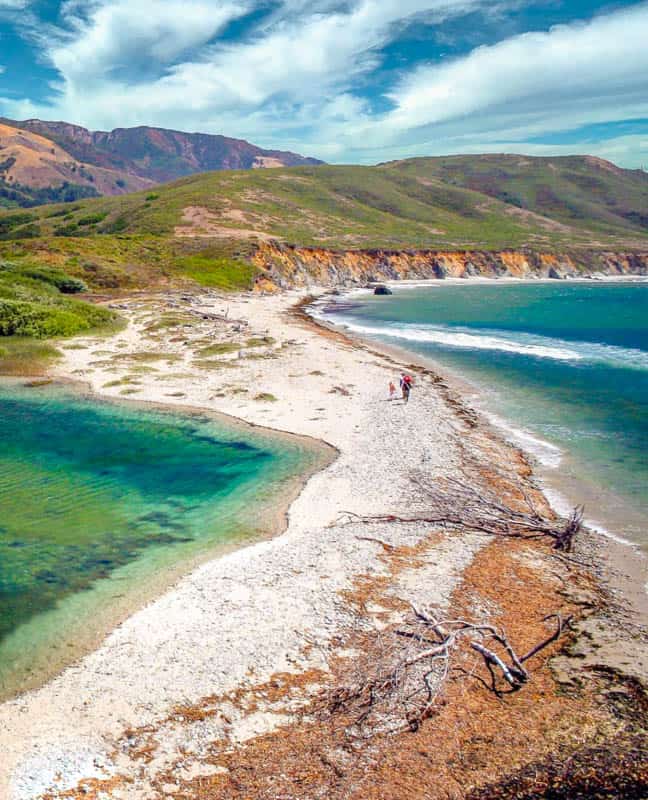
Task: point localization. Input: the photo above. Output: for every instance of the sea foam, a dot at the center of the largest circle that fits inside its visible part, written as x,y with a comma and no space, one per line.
505,341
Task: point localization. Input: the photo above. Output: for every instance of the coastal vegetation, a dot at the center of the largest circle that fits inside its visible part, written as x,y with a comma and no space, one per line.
35,305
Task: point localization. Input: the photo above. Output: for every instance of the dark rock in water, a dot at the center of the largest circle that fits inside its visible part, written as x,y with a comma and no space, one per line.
382,290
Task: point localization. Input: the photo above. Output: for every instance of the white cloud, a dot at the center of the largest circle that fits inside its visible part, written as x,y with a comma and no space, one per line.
291,60
295,80
590,71
120,36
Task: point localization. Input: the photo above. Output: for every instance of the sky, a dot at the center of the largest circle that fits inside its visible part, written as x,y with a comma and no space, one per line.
347,81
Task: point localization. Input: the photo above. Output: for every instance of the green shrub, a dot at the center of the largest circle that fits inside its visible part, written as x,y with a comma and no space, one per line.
9,222
12,276
36,320
92,219
61,212
31,231
152,196
71,229
66,284
116,225
43,320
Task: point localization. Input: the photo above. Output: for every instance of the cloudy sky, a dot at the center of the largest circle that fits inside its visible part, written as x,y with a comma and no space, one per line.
345,80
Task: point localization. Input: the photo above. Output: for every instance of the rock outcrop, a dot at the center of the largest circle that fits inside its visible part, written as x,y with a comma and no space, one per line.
284,266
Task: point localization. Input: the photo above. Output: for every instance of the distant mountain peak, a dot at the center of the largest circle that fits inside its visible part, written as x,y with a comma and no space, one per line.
158,155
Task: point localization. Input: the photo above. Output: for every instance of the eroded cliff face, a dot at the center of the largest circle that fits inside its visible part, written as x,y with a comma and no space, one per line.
284,266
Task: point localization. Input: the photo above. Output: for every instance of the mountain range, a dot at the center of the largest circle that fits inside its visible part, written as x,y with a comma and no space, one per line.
44,162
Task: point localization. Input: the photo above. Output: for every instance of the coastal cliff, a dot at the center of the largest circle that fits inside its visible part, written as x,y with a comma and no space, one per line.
283,266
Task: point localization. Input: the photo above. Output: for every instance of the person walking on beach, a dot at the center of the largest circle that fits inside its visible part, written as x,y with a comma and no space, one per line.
392,390
406,386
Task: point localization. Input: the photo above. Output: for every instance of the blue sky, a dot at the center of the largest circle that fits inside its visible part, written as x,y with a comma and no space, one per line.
345,80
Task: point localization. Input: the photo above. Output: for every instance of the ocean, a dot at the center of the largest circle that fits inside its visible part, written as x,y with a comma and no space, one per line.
561,367
103,504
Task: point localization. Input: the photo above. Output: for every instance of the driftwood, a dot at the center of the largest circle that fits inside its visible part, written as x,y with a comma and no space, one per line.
453,502
404,683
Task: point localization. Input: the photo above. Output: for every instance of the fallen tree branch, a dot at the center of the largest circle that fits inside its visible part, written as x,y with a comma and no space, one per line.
406,680
454,502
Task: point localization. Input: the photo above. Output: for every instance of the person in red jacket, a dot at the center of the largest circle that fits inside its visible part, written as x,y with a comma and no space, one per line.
406,386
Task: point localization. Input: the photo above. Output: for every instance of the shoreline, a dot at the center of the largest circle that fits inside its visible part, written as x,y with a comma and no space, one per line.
261,600
626,570
630,559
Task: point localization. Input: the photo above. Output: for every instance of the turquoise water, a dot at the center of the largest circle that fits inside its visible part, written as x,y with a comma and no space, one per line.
564,362
99,503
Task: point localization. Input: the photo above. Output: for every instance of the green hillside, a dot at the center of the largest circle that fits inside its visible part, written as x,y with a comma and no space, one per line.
579,191
204,227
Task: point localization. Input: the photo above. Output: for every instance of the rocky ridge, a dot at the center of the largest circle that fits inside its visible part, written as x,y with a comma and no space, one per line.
156,154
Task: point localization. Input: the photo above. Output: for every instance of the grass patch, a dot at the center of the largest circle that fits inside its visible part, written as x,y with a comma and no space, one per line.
171,321
260,341
146,355
143,369
127,379
22,356
217,272
213,364
265,397
175,376
220,348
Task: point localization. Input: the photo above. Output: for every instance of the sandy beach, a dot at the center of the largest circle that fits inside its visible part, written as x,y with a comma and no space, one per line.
161,705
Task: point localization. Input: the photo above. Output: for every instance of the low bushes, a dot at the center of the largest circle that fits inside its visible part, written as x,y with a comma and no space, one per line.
32,304
44,320
63,282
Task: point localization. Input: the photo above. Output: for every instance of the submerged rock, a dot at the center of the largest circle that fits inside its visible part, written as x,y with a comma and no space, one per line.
382,290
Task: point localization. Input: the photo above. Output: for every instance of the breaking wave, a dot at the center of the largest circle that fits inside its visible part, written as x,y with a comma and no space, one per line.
506,341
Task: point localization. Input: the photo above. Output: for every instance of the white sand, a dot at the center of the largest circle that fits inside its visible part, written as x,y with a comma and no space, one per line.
241,618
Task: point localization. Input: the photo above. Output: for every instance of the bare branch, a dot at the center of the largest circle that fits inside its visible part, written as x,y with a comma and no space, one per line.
405,681
457,503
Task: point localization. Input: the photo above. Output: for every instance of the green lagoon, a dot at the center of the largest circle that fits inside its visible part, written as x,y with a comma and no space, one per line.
102,505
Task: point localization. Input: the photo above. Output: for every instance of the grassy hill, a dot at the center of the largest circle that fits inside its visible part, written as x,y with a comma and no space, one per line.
205,226
578,191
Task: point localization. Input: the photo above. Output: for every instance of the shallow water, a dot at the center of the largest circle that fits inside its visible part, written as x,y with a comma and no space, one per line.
102,503
563,365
